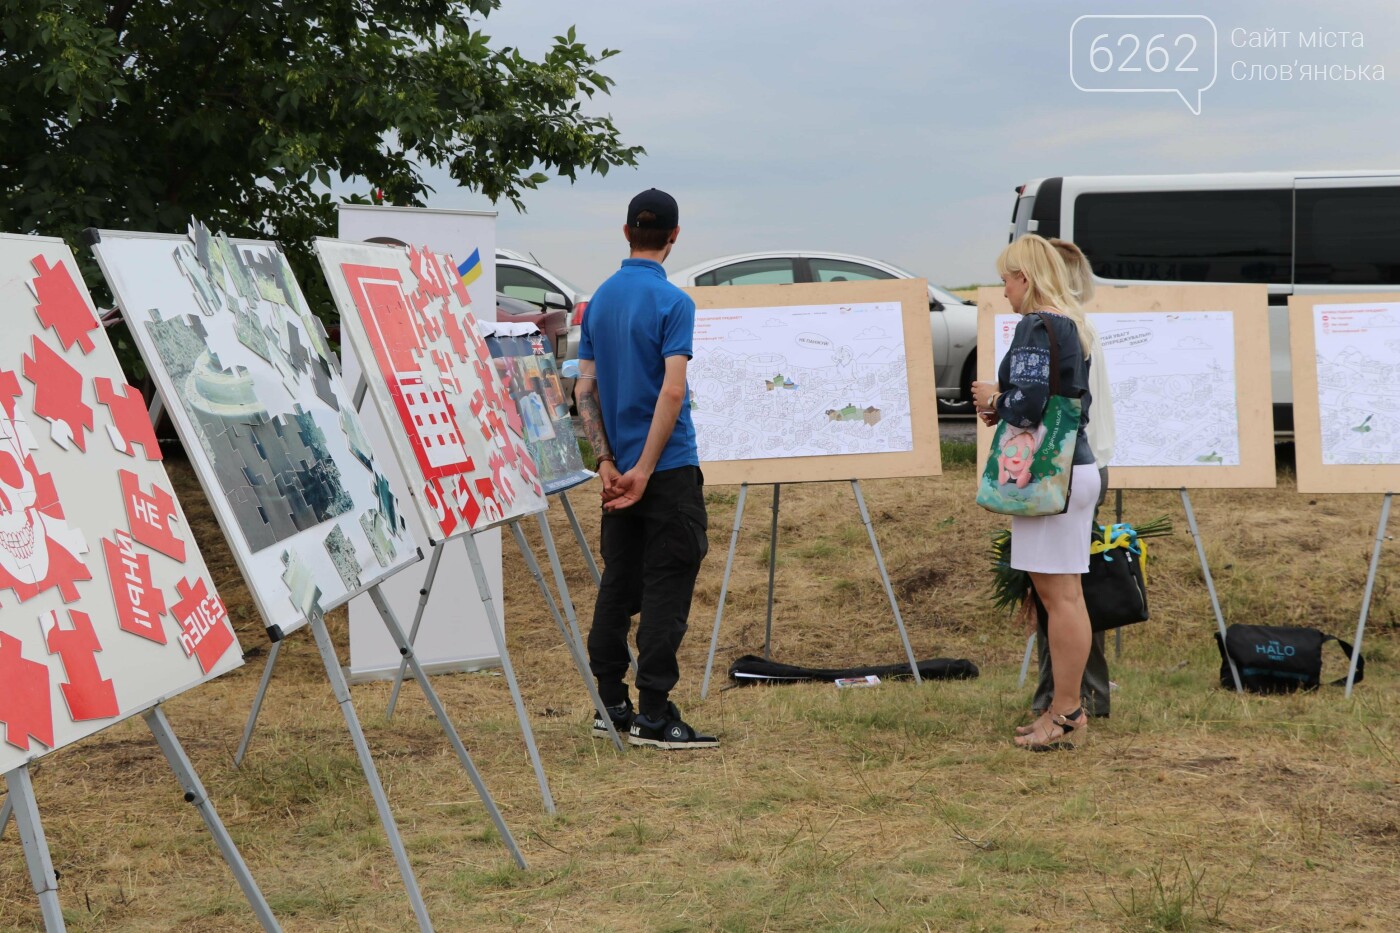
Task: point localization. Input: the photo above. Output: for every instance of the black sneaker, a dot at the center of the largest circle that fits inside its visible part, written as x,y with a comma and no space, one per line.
670,732
621,716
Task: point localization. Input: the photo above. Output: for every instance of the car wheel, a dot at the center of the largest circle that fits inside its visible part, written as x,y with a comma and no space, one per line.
963,405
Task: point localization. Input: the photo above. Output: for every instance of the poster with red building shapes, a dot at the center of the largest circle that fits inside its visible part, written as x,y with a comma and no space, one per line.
106,606
407,316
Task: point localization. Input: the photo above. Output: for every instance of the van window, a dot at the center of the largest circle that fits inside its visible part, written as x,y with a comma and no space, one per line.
1348,236
1188,236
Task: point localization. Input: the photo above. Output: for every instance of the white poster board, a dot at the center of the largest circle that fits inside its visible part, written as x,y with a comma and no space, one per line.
251,386
408,317
813,382
805,381
454,634
1346,392
1358,382
1188,367
407,314
1173,384
106,606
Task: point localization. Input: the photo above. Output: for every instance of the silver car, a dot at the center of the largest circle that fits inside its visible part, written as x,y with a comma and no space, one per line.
522,277
952,320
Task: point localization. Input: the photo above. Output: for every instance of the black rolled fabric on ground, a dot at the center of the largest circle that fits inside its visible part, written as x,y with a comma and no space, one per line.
751,669
1279,658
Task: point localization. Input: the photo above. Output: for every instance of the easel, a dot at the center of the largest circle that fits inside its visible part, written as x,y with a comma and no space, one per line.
1210,588
569,630
772,567
341,690
1370,589
494,623
21,802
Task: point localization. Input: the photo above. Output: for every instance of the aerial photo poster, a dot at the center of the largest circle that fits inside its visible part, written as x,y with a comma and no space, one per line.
252,386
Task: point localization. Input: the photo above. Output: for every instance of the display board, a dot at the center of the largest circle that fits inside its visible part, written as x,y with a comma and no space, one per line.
1189,370
454,634
1346,391
813,382
524,360
469,237
106,606
408,317
251,386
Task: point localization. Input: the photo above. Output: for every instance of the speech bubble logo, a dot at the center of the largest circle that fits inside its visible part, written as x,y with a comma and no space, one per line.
1145,54
814,341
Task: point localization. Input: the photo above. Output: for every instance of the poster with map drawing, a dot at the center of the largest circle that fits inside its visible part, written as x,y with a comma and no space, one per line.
1173,382
106,605
252,388
1358,382
803,381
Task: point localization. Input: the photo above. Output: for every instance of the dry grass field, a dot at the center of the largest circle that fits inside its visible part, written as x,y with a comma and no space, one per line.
896,808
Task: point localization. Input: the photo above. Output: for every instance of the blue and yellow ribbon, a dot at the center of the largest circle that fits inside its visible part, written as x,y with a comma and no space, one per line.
1120,535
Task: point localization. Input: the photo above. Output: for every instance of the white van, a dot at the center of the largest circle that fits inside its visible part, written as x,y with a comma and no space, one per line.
1300,233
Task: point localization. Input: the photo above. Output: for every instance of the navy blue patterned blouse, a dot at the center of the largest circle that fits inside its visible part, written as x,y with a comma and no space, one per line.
1025,375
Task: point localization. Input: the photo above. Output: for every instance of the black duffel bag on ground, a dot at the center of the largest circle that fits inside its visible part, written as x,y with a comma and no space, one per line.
1279,658
751,669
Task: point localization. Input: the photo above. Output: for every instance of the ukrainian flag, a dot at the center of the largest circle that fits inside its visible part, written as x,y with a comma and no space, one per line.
470,270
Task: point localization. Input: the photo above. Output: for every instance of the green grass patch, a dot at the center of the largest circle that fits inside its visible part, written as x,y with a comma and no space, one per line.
958,453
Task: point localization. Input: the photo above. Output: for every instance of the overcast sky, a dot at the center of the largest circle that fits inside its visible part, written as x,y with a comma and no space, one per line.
898,129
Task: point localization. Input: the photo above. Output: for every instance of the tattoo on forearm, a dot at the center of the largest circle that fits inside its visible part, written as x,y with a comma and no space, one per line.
593,424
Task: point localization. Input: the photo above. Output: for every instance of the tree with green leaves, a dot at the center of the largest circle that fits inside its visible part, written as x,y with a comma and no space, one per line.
138,114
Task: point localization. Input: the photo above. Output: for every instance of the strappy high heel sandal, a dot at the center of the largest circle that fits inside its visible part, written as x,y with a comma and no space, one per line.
1068,724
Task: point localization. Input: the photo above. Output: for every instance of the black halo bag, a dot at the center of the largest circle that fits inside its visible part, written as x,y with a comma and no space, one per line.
1279,658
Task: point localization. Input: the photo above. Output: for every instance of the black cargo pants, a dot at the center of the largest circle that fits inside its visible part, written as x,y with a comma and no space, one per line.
651,556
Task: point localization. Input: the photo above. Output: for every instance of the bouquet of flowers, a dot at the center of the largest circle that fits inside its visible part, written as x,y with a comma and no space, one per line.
1010,587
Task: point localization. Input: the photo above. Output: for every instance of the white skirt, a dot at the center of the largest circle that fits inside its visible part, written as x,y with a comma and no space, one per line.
1058,543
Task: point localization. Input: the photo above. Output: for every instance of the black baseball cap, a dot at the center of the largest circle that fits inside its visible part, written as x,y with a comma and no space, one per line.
660,204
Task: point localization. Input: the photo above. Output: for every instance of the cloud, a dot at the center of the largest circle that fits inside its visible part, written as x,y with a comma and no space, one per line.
872,333
1192,343
1134,358
743,333
774,322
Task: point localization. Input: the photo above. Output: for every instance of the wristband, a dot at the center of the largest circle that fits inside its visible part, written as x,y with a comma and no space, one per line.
607,458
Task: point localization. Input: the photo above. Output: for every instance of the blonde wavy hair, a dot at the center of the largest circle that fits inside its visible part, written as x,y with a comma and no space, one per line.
1079,275
1048,284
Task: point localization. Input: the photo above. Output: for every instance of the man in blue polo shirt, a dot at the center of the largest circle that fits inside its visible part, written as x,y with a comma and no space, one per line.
635,407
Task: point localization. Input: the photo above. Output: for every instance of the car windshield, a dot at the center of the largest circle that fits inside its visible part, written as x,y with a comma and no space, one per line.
566,283
942,294
945,297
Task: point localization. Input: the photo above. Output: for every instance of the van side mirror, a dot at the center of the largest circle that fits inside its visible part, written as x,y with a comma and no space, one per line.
556,300
935,305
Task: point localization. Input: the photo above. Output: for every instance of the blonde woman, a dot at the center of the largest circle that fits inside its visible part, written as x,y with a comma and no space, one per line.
1053,549
1095,689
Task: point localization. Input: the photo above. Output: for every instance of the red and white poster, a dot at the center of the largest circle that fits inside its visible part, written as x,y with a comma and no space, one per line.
408,317
106,606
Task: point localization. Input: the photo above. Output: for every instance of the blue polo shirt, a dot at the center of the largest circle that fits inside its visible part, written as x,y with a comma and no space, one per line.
634,321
